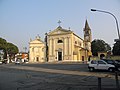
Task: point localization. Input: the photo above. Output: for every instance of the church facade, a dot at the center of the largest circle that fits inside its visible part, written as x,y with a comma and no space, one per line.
36,50
62,45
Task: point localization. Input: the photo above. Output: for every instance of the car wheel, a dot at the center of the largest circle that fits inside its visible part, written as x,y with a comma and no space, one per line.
111,69
91,69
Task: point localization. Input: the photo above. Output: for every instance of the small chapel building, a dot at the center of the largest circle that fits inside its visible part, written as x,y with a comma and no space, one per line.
61,45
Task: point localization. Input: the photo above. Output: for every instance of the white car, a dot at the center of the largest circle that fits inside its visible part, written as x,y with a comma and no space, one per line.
0,62
100,65
18,61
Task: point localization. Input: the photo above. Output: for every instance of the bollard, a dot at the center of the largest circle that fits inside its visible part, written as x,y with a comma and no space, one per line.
99,83
117,81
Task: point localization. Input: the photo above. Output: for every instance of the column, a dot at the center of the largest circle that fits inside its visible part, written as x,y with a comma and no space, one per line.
50,47
63,50
65,46
68,45
54,44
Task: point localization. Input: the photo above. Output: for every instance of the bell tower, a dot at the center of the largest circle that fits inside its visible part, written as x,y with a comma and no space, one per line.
87,36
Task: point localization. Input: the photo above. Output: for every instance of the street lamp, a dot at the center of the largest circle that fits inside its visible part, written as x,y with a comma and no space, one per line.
115,20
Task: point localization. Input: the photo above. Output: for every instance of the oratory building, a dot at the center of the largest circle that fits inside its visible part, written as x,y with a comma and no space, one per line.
61,45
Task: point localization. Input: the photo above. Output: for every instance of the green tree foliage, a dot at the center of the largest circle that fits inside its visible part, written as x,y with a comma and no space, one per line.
3,43
11,48
98,45
116,48
8,47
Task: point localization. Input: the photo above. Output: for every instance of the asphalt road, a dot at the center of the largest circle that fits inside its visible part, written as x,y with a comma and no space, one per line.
51,76
62,66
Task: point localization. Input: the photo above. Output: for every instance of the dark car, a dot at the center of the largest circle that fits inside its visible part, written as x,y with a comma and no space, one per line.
113,62
117,61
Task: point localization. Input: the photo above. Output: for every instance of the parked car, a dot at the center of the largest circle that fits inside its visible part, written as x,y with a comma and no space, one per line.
113,62
18,61
100,65
26,61
4,61
117,61
0,62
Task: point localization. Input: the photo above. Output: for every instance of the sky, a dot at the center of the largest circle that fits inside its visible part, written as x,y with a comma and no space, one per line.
22,20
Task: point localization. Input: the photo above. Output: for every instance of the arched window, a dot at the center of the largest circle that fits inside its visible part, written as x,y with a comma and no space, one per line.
60,41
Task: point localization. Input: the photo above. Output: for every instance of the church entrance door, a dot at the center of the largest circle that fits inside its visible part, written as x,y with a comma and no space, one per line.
37,59
59,56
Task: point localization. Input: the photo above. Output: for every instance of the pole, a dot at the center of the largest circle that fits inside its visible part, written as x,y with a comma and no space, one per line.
117,81
99,83
114,18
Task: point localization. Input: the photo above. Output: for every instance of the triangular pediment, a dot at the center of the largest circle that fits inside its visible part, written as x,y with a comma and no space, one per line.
37,41
59,30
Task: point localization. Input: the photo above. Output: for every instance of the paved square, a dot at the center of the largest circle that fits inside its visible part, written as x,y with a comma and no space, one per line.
52,77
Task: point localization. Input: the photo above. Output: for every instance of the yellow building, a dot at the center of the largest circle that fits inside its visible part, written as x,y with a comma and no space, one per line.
36,50
65,45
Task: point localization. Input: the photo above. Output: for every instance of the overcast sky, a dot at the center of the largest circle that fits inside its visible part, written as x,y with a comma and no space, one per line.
21,20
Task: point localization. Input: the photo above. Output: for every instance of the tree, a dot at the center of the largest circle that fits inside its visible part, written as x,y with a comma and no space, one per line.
2,43
11,48
98,45
116,48
7,47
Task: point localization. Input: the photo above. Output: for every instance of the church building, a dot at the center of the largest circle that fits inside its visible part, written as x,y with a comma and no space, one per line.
37,50
61,45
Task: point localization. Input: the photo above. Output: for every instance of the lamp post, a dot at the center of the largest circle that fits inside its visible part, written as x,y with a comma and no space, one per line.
116,76
115,21
25,48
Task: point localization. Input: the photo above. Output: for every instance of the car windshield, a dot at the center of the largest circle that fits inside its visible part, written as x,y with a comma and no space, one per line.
18,60
93,62
101,62
110,61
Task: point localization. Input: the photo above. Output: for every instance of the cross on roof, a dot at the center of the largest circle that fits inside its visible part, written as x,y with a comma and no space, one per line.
69,28
59,22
